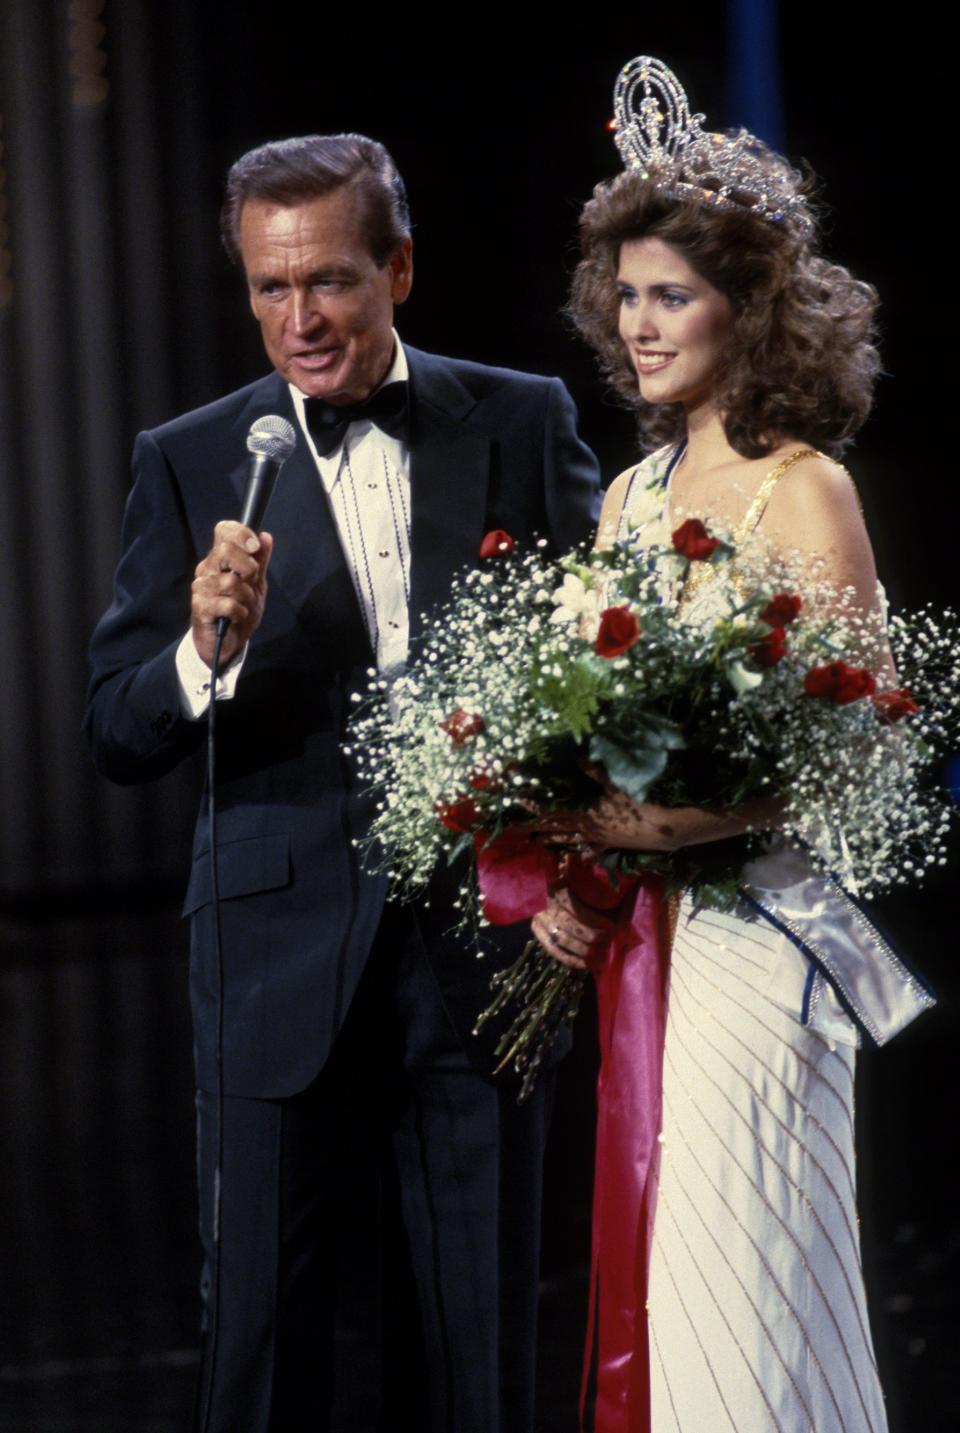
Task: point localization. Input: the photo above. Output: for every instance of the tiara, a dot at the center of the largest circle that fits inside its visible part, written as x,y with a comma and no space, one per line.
658,136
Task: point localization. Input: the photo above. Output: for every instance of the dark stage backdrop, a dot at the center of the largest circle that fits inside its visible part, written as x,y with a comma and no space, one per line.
119,310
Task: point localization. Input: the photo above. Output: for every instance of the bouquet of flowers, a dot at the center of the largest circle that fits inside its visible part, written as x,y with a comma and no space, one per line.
692,673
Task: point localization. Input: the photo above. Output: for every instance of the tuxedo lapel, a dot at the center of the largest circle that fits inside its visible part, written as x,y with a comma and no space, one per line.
308,570
449,474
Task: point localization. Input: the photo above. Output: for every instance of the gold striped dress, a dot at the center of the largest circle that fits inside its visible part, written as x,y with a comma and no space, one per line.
756,1305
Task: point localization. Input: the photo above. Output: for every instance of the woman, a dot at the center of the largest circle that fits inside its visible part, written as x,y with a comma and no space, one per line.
751,358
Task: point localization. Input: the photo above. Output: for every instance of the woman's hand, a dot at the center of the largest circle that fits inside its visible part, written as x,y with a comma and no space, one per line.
569,930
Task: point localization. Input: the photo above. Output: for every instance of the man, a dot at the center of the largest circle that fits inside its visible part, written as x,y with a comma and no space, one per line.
345,1021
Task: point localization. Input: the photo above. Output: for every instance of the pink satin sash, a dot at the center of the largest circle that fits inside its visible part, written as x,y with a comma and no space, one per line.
515,875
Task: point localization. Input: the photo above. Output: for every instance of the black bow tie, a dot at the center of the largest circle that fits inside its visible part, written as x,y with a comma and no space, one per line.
328,422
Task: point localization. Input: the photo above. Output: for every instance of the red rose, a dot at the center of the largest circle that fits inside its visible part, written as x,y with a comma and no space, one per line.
459,816
781,610
820,681
770,649
894,705
485,781
692,540
496,543
836,682
618,631
460,726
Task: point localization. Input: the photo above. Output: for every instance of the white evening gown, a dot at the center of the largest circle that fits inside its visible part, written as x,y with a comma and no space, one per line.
757,1313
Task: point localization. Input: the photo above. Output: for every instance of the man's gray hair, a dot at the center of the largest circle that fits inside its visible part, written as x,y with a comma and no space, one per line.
294,171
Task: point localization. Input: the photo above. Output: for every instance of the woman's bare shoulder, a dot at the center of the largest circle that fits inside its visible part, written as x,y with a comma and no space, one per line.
613,500
620,486
815,508
815,489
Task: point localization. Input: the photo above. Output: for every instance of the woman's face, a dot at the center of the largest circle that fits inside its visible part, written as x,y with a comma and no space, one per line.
673,322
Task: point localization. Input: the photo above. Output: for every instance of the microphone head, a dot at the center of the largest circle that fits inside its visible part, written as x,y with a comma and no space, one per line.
272,437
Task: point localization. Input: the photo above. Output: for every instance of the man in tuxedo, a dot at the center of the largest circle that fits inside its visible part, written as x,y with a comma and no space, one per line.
344,1043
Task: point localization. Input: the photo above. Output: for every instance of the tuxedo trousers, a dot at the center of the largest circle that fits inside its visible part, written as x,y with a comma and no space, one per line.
458,1168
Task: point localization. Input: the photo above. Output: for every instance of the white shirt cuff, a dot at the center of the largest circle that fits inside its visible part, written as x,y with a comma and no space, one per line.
194,676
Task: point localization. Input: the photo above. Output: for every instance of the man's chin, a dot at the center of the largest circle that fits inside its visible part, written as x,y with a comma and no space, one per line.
336,380
311,386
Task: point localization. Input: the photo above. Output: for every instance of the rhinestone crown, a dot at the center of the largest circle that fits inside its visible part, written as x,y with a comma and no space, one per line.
657,135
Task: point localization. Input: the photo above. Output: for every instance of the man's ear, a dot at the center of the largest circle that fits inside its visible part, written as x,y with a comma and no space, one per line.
401,270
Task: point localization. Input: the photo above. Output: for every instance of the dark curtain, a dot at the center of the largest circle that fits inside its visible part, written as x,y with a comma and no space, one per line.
104,329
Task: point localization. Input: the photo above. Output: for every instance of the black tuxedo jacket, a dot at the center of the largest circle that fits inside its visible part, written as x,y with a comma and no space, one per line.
489,449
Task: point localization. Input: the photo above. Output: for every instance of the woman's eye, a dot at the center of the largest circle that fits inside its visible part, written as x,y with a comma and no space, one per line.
627,296
671,300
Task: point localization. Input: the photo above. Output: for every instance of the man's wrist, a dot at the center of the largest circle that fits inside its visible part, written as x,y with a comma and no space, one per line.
195,678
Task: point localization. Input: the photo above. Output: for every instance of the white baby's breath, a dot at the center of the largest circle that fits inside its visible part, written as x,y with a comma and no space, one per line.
543,701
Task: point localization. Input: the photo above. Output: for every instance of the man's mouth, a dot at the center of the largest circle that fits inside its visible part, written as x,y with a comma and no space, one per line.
316,360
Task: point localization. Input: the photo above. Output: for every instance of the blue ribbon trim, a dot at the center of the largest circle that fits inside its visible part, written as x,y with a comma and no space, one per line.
815,962
869,916
807,1001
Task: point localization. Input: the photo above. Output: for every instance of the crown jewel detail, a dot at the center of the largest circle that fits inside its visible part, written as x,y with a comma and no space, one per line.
657,135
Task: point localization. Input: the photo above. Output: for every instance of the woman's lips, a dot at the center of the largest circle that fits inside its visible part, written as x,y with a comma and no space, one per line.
652,362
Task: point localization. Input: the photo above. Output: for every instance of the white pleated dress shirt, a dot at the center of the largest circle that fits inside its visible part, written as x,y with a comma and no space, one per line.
367,483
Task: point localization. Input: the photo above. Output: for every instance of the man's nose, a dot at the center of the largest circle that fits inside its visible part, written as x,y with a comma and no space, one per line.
307,311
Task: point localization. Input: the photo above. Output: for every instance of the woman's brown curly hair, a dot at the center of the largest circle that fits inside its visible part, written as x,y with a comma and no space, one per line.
800,361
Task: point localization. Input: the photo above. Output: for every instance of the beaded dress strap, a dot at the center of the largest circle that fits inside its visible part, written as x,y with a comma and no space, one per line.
663,482
757,508
702,572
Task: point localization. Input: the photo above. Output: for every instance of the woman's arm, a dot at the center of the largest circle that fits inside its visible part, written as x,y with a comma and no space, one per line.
615,821
815,510
612,510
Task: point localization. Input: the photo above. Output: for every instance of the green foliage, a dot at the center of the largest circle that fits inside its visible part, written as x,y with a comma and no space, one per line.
572,692
635,767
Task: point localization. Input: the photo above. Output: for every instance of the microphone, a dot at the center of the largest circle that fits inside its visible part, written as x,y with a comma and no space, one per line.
270,442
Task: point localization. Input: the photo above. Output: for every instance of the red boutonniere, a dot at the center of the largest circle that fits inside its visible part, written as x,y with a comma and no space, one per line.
496,543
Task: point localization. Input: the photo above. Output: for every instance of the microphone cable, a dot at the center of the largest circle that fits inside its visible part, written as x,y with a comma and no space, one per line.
270,442
213,1292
